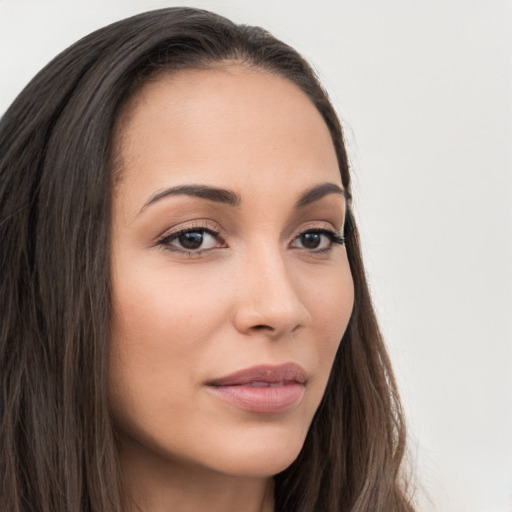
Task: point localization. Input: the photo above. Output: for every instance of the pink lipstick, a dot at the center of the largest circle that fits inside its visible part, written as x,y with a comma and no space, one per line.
263,389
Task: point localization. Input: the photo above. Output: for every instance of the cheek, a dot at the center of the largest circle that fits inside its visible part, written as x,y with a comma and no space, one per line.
160,332
330,302
163,309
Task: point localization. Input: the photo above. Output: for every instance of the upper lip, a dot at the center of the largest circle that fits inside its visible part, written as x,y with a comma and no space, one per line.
288,372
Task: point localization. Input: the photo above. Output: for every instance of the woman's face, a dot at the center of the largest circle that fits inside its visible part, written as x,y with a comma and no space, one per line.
231,289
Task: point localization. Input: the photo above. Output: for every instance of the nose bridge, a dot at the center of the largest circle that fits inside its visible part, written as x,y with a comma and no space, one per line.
270,300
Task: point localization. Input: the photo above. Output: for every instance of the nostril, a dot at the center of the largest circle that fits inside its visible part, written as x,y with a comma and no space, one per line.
262,327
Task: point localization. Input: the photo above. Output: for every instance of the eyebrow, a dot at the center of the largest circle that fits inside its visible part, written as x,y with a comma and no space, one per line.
218,195
222,195
320,191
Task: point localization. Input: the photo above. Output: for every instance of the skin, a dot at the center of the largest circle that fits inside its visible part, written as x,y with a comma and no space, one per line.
254,294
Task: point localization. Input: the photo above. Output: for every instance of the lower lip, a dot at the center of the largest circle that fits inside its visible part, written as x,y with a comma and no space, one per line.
263,400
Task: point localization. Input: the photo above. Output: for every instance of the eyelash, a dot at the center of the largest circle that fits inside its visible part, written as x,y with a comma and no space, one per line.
166,239
335,238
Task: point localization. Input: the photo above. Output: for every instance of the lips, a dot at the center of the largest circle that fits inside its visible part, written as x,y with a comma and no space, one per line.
263,389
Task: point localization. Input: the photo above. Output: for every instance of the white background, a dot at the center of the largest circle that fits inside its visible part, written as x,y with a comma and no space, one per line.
424,89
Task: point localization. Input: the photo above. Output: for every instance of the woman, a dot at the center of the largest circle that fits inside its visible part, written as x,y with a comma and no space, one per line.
179,264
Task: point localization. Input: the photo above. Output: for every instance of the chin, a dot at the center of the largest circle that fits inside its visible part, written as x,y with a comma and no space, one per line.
266,454
264,465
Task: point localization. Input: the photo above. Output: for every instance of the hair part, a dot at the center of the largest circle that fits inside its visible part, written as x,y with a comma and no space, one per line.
57,444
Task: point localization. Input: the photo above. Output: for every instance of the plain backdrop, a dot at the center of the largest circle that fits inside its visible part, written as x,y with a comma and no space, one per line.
424,91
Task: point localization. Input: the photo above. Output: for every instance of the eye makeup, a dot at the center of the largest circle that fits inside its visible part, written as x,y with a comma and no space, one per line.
193,240
318,239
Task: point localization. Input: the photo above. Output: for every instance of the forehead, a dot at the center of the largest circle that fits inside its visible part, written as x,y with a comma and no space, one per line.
229,126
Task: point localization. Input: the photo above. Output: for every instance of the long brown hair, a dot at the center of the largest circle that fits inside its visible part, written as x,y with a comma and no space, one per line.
57,443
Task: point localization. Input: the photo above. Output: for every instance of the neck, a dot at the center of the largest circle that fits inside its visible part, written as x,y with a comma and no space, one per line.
153,483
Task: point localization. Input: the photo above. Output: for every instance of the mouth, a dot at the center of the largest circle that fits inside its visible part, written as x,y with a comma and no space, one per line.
264,389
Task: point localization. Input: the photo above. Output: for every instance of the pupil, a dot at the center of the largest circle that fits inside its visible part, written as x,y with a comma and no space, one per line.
311,240
191,240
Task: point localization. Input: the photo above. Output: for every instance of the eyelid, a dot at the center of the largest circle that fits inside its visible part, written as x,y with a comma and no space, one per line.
208,227
203,225
336,236
317,226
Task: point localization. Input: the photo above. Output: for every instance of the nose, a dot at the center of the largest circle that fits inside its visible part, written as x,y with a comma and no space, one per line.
268,301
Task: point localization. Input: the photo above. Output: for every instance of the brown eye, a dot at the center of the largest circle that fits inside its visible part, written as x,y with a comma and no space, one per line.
193,240
311,240
317,240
